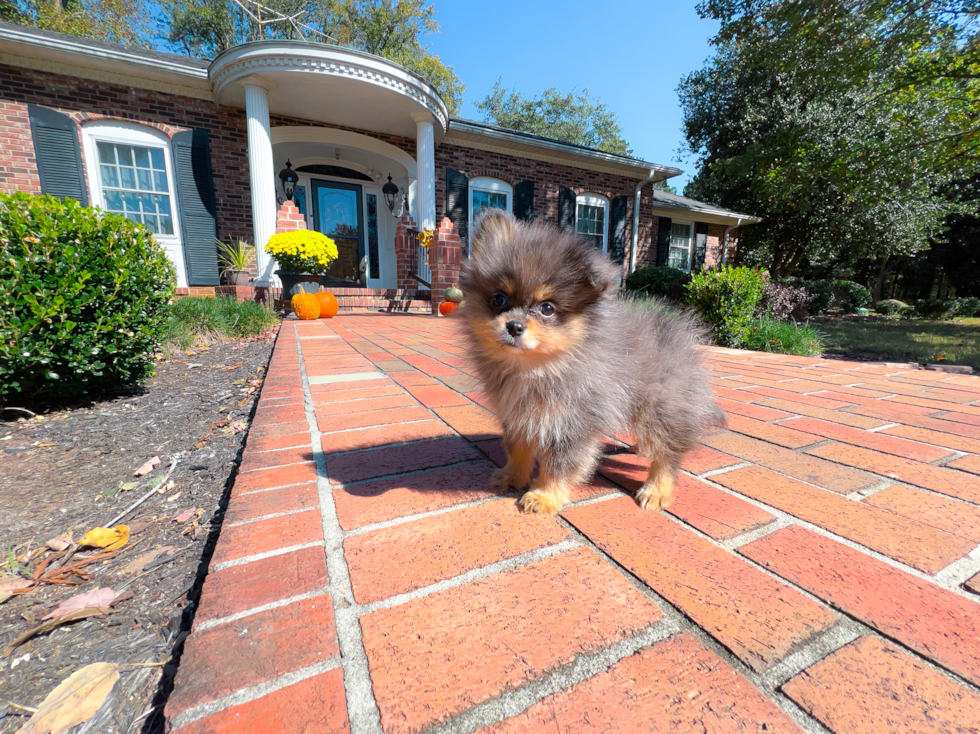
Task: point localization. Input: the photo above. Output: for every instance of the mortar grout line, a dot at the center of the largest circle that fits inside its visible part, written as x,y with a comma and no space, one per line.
270,516
209,623
362,709
474,574
251,693
267,554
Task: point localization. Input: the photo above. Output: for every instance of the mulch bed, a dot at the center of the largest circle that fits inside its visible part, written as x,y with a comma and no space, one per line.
70,470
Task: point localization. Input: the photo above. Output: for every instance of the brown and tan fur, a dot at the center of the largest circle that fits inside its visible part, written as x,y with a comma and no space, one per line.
564,359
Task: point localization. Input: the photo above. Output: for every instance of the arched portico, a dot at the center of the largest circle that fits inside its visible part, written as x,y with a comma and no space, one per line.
336,86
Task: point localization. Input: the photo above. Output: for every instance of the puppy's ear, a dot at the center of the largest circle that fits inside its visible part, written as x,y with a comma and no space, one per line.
494,227
603,276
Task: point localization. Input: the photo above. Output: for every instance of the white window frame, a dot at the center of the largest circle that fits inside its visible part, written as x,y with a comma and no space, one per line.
596,200
127,133
489,186
690,247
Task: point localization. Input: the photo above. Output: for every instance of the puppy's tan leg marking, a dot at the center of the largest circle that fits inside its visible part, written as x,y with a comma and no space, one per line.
548,496
517,473
658,490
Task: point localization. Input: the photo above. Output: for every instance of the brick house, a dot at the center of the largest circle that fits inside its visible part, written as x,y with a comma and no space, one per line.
194,149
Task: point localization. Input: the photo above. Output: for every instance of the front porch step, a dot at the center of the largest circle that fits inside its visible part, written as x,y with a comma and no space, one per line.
389,300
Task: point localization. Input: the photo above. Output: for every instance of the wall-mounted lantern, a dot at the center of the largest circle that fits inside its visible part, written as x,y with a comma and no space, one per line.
289,179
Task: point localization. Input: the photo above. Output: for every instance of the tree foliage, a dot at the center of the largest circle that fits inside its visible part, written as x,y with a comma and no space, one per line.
394,29
848,125
571,118
120,21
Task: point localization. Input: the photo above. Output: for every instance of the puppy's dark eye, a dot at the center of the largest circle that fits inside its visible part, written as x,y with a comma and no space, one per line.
499,300
547,308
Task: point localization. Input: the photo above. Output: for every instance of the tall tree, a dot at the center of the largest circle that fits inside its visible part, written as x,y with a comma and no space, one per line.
394,29
121,21
847,125
571,118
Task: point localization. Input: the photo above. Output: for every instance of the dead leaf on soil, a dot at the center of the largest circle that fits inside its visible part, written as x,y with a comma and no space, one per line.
98,598
58,544
185,515
136,565
10,584
147,467
108,538
56,622
174,497
126,486
75,700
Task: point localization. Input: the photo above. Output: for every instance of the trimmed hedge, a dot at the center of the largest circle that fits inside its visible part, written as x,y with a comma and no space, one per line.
654,280
82,298
726,299
935,308
851,296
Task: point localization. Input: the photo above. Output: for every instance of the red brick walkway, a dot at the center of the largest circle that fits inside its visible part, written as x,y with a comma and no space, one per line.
818,568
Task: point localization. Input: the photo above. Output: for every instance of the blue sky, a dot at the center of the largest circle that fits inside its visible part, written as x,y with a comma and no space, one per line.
629,53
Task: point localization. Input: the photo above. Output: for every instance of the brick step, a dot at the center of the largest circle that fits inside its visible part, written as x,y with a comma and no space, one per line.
354,300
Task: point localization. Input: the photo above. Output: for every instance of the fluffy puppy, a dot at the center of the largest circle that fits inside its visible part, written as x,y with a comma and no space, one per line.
564,360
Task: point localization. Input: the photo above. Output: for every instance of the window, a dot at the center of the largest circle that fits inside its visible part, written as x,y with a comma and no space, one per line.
488,193
131,174
592,220
680,246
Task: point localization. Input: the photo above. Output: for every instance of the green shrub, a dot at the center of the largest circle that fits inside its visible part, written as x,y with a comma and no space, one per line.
968,306
82,298
767,335
190,319
726,299
935,308
652,281
821,293
851,296
891,307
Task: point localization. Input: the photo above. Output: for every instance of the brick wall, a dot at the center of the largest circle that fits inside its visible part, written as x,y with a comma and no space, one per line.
85,100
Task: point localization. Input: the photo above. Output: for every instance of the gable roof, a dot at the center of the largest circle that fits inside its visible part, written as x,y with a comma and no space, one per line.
672,203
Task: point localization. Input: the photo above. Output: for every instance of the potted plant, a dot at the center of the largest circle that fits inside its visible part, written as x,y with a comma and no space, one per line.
237,257
303,256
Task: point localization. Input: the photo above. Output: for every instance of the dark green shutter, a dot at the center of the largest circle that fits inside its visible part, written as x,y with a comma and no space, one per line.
700,245
524,201
566,208
458,205
195,192
59,159
617,229
663,240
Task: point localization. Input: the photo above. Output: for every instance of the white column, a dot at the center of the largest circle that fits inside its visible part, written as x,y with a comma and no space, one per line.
425,154
261,175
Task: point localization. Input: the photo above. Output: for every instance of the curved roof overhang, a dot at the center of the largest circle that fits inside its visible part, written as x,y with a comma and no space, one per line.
339,86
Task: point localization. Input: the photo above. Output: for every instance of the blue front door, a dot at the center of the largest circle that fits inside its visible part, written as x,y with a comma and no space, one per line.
337,214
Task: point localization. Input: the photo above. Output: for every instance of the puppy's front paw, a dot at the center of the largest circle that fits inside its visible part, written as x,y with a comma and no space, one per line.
503,481
539,502
655,496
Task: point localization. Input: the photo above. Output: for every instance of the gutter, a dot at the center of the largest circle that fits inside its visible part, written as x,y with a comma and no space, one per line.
724,242
636,217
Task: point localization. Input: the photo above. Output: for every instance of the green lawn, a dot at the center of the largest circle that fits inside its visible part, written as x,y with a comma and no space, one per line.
897,340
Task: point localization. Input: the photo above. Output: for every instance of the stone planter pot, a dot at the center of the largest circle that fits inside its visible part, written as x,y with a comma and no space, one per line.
294,281
237,277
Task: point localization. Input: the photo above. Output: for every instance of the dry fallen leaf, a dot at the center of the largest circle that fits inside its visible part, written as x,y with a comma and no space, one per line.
52,623
58,544
174,497
108,538
126,486
8,584
98,598
147,467
74,701
185,515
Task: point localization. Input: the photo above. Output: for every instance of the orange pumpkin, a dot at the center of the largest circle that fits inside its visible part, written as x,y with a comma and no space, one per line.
447,307
328,305
306,306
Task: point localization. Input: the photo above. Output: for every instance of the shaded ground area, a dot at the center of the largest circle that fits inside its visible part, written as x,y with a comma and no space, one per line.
70,470
898,340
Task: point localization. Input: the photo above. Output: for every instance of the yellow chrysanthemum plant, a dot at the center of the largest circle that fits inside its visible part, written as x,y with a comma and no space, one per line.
302,250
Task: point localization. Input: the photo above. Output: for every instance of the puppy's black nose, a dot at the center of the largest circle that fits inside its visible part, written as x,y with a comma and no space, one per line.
515,328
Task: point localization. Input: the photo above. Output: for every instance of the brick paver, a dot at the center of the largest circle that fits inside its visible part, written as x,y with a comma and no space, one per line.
367,579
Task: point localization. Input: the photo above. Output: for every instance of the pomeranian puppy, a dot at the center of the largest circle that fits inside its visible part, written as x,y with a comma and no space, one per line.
564,360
